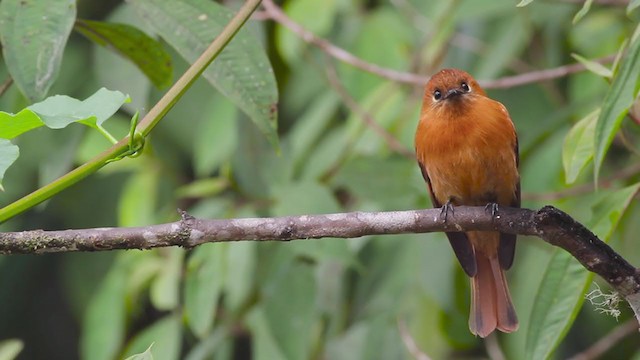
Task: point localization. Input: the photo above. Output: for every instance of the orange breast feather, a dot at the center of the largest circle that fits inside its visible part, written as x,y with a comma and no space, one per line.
471,157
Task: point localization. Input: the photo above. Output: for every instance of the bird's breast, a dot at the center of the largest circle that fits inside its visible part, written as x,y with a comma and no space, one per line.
470,158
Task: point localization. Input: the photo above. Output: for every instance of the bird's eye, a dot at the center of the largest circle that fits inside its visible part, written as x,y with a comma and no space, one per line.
437,95
465,87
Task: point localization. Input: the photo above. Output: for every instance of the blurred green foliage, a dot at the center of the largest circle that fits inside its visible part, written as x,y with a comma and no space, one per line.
213,156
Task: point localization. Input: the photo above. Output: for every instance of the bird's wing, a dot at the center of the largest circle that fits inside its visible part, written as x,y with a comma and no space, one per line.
459,241
507,248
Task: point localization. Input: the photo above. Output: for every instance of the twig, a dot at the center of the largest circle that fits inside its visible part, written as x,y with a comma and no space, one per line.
625,173
540,75
610,340
273,12
410,343
276,14
366,117
6,85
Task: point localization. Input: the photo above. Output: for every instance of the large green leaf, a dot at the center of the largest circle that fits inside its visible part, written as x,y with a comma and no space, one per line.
577,149
617,102
105,317
289,307
8,155
58,111
242,72
33,36
139,198
263,343
130,42
557,303
240,282
216,136
561,292
203,284
317,17
509,37
165,294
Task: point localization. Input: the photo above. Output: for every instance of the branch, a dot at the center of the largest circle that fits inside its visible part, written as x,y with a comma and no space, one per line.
6,85
273,12
603,345
548,223
393,143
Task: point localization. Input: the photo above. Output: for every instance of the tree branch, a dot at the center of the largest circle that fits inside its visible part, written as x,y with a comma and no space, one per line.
548,223
273,12
604,344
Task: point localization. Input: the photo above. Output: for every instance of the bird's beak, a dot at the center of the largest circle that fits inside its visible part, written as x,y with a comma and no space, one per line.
452,93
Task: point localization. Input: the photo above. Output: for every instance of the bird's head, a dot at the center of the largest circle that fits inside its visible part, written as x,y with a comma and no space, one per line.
451,89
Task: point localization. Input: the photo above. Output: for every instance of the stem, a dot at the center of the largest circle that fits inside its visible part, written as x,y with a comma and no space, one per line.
154,116
106,134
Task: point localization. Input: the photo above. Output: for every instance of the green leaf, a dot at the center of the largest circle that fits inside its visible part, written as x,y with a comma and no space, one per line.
309,127
577,150
138,199
130,42
60,110
594,67
204,188
289,307
633,4
146,355
583,11
507,41
9,349
216,136
104,320
8,155
203,284
608,211
361,176
33,36
242,71
163,340
524,3
317,17
13,125
617,102
557,303
240,282
262,339
565,281
165,288
377,44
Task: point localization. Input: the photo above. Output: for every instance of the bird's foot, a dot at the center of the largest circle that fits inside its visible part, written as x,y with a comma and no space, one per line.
491,208
444,211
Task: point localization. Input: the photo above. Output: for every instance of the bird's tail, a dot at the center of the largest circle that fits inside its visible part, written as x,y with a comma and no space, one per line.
491,306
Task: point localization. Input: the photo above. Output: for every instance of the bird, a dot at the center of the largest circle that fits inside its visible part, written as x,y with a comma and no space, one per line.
467,149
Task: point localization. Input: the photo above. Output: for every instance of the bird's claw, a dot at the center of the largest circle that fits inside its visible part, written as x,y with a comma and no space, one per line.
492,208
444,211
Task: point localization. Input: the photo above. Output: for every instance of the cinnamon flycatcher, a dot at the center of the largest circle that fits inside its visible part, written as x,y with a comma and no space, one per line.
467,149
